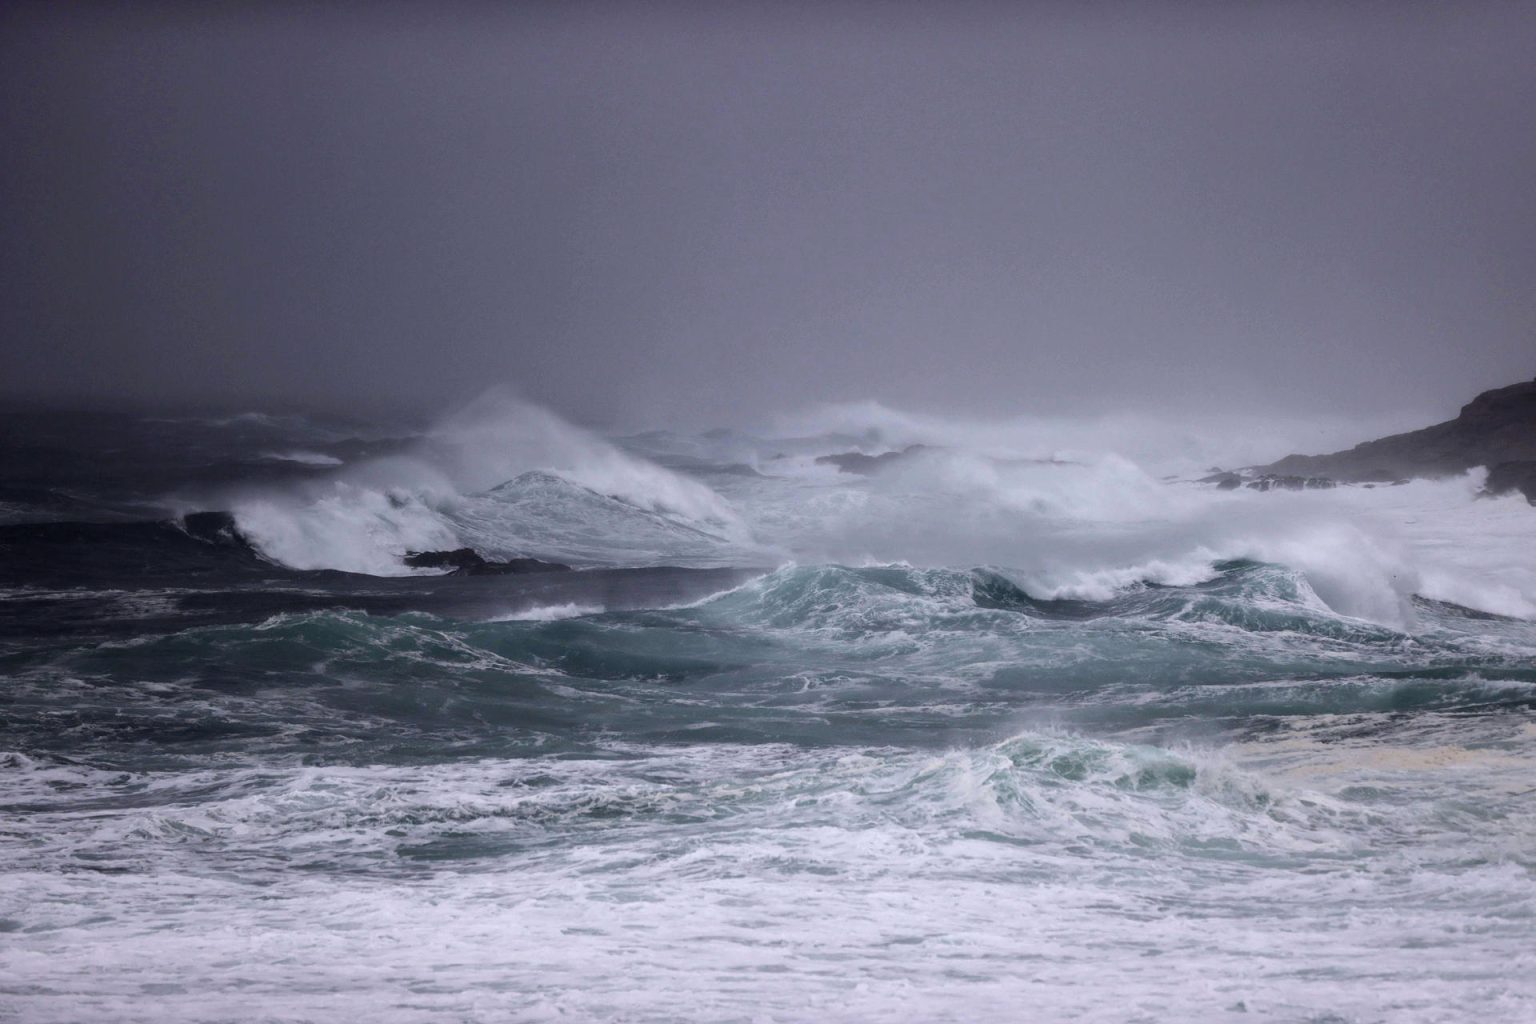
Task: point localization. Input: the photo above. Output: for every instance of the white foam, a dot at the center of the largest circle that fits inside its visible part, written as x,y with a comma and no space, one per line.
498,437
303,458
1074,508
549,612
1089,526
717,882
366,517
344,526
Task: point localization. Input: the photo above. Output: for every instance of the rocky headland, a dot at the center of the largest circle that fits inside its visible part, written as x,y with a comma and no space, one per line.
1497,429
469,562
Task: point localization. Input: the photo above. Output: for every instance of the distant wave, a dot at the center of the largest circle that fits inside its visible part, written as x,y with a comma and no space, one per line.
304,458
510,480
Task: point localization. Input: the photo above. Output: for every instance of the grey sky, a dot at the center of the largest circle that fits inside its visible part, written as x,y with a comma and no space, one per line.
693,214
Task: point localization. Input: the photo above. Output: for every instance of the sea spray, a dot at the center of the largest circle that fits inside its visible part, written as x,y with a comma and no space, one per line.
366,517
998,723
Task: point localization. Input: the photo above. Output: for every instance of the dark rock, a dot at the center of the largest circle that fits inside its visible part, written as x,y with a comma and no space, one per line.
1273,482
468,562
1228,481
1517,476
459,558
1495,427
701,467
858,462
1224,480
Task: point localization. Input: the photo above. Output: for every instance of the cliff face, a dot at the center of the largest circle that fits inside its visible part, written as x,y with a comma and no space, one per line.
1495,427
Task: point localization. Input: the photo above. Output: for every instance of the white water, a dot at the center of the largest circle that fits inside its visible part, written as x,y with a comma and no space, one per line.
1068,509
367,517
549,612
826,794
781,884
1090,527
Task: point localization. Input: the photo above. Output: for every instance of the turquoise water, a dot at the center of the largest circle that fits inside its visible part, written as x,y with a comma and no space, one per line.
233,791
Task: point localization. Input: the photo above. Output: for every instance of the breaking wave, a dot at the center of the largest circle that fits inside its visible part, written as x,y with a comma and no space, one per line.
862,721
507,477
1080,522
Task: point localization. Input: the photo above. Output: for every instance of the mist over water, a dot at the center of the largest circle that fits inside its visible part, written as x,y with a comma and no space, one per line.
1072,509
973,716
668,513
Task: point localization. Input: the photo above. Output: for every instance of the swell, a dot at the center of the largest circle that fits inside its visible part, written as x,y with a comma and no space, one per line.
1090,802
816,656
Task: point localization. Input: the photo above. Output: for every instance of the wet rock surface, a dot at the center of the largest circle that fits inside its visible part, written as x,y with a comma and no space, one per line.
1495,428
468,562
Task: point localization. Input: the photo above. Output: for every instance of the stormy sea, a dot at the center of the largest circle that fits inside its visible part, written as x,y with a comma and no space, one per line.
861,716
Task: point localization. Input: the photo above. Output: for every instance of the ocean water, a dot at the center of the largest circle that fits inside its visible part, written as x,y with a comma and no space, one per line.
1028,725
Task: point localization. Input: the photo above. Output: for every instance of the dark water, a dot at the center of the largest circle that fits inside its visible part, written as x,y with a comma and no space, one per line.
236,790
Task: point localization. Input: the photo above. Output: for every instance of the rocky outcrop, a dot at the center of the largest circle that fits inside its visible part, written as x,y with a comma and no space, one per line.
1512,477
1227,481
1494,428
864,465
468,562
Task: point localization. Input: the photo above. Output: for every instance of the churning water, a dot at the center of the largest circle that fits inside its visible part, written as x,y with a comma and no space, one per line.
998,731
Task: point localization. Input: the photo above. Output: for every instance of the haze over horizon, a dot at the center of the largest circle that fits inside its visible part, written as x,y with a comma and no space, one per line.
697,215
1086,614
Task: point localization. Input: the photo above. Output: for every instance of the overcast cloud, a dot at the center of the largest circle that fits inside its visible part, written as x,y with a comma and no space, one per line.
696,214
